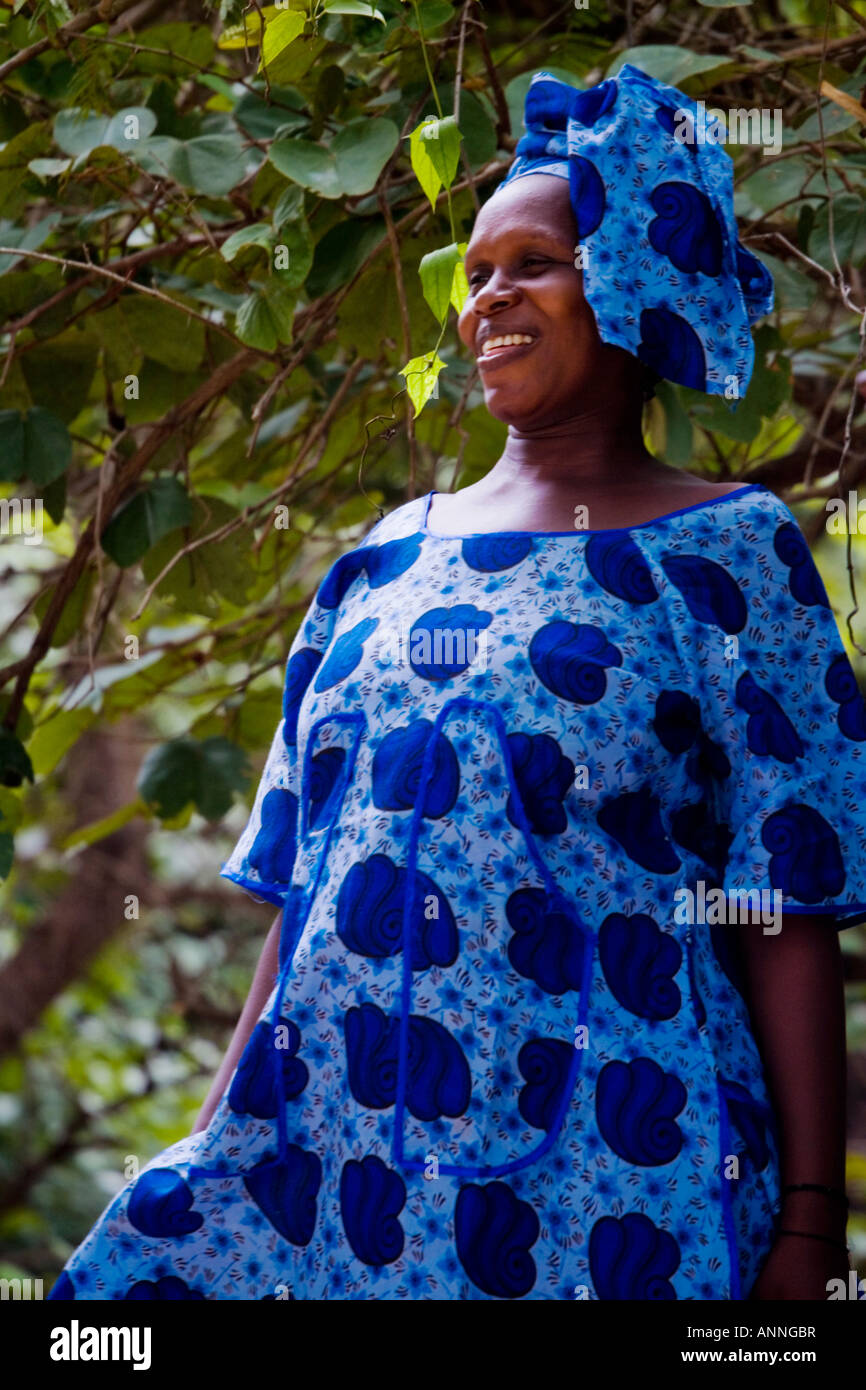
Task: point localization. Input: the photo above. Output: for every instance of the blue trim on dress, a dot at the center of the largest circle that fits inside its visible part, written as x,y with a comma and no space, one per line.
604,531
727,1200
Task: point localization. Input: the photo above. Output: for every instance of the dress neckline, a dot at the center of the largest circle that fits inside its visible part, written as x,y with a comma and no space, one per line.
603,531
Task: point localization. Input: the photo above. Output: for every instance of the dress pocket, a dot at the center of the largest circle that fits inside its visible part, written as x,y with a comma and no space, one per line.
491,1031
249,1129
328,763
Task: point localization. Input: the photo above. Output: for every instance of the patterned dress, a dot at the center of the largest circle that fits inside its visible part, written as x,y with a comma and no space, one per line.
519,780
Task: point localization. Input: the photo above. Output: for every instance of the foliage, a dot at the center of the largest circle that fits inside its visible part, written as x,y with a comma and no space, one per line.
231,245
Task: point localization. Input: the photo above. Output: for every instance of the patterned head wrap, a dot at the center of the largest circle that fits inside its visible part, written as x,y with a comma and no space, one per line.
664,271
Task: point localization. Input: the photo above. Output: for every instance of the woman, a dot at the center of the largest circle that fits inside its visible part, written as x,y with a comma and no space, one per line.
497,1044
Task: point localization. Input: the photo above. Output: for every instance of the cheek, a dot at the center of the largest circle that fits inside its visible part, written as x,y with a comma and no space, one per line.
466,322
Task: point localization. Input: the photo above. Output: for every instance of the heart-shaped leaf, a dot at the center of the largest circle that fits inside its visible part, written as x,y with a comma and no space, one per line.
266,317
146,518
280,31
208,164
352,164
422,374
77,132
293,254
437,278
186,770
310,165
34,444
434,151
257,234
362,149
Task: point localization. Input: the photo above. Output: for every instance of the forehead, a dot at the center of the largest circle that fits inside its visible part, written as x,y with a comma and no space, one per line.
537,205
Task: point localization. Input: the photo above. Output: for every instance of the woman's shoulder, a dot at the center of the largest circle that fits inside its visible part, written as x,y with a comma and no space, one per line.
405,519
726,511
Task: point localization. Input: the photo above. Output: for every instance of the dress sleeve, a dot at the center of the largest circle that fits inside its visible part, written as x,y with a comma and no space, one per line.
263,858
788,736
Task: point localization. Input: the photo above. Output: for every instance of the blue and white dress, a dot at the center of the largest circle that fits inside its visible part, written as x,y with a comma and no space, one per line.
503,1058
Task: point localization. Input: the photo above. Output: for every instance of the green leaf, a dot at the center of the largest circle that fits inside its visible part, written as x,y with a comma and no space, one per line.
257,234
77,132
162,507
208,164
59,371
15,763
11,809
192,41
7,854
354,7
295,237
310,165
794,290
107,825
28,238
434,152
289,206
362,149
437,278
296,60
776,183
49,168
224,770
262,119
351,166
266,318
34,444
280,31
678,426
421,375
54,499
169,777
434,13
667,62
166,335
460,284
55,736
185,771
223,568
849,232
32,142
477,129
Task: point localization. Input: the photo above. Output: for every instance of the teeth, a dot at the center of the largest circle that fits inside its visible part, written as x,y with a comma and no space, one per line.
505,340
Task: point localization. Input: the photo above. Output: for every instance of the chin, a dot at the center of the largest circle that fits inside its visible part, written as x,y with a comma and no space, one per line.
502,406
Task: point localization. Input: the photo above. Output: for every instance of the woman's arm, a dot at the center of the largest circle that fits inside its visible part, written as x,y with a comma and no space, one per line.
795,991
263,982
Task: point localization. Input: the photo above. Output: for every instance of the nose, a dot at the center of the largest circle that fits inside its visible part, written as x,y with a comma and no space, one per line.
496,293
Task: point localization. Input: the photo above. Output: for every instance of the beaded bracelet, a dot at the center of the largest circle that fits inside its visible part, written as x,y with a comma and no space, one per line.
811,1235
833,1192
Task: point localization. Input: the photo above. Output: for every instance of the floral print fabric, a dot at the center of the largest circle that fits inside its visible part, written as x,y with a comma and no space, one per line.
497,1062
664,271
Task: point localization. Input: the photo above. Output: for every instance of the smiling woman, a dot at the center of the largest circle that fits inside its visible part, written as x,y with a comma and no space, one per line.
521,726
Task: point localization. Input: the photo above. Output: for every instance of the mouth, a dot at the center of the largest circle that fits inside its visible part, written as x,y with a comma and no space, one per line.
499,348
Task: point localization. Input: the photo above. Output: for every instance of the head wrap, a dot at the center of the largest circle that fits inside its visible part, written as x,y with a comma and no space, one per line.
664,271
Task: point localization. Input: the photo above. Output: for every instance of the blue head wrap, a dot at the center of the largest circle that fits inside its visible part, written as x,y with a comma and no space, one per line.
664,271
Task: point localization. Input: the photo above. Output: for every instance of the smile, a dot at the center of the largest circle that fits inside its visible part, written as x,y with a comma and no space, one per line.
504,347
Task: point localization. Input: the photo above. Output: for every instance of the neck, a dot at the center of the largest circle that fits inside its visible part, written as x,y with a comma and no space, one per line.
601,446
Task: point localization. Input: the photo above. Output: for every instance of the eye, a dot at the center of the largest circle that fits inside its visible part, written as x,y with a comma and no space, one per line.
478,276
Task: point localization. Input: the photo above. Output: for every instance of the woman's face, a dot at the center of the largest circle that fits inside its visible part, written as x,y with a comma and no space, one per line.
522,280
